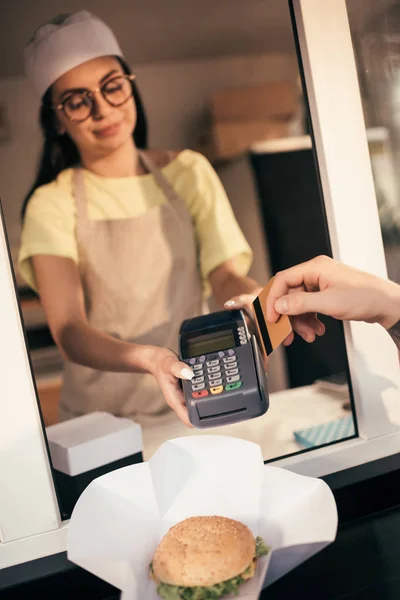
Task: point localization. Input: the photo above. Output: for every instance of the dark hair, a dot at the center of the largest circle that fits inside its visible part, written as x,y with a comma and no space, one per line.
60,152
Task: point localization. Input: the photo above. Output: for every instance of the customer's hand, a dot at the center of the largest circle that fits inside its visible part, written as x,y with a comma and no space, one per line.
325,286
165,366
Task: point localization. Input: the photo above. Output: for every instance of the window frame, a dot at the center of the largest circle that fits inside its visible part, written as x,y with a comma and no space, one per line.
341,149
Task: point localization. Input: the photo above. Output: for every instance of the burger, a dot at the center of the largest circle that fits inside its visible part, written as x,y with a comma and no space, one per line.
205,558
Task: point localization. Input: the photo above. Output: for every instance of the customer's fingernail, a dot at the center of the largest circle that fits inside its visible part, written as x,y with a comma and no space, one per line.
282,306
187,373
230,303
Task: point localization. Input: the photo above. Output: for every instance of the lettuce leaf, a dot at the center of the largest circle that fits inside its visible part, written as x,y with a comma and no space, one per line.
261,547
212,592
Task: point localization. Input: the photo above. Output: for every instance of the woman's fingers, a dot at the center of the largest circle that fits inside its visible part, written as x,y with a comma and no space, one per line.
174,397
241,300
180,370
169,370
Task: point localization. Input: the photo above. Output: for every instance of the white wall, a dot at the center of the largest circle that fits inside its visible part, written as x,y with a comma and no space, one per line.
176,98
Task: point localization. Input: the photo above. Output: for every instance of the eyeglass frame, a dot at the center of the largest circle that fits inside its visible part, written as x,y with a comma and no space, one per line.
91,93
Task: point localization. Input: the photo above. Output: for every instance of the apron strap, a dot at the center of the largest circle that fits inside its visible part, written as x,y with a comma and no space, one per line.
161,180
78,186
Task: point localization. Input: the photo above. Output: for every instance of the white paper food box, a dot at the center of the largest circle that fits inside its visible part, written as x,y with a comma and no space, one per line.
87,447
121,517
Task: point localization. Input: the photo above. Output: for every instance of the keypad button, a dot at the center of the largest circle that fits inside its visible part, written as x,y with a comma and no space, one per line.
212,363
231,365
201,394
202,359
197,380
233,379
217,390
215,381
221,354
241,329
214,369
233,386
192,361
231,352
231,372
198,386
213,376
229,359
242,342
198,367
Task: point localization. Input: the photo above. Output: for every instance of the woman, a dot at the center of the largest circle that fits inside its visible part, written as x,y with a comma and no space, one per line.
121,243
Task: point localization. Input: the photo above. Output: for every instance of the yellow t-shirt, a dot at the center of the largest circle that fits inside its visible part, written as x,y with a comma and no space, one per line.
49,225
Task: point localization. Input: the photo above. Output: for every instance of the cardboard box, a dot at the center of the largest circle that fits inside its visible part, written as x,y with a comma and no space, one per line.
275,100
121,517
228,139
86,447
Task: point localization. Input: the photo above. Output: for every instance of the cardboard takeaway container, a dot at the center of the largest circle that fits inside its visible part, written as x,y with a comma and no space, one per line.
228,139
277,100
242,116
87,447
121,517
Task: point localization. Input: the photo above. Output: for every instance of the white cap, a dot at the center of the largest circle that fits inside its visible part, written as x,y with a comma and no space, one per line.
64,43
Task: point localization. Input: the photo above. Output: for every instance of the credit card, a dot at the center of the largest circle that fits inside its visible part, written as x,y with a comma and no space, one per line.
270,335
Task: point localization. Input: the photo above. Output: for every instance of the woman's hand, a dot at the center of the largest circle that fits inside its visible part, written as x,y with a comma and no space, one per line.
164,365
62,297
244,302
325,286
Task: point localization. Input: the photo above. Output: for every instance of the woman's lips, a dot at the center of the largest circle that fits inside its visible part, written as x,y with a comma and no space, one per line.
108,131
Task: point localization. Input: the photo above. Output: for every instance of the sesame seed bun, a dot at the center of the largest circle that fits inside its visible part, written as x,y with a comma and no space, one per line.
203,551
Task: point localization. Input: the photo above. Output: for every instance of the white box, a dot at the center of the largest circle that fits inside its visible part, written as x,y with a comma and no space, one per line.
87,447
121,517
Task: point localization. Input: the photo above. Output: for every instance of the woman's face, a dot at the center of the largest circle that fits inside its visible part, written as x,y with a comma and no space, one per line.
108,127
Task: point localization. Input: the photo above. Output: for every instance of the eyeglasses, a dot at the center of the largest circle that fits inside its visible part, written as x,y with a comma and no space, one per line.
79,105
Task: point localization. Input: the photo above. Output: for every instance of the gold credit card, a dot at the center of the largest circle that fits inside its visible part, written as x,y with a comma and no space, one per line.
270,335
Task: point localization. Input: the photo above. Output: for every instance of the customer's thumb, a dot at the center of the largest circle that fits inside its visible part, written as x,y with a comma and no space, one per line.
300,303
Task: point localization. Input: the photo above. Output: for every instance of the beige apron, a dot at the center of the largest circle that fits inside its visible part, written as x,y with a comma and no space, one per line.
141,278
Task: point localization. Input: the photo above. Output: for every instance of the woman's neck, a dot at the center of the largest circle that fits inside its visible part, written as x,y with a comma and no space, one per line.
123,162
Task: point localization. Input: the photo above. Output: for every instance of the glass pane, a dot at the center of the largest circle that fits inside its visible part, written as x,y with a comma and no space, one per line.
375,28
263,156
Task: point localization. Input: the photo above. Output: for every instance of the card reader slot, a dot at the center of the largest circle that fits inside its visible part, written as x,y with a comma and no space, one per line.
221,405
224,414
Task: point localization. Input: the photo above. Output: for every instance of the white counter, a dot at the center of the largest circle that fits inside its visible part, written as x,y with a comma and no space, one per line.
289,411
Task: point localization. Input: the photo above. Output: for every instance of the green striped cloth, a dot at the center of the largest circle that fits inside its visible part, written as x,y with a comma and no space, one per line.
326,433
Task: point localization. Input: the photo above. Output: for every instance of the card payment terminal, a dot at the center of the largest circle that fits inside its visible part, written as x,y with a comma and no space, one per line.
230,383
